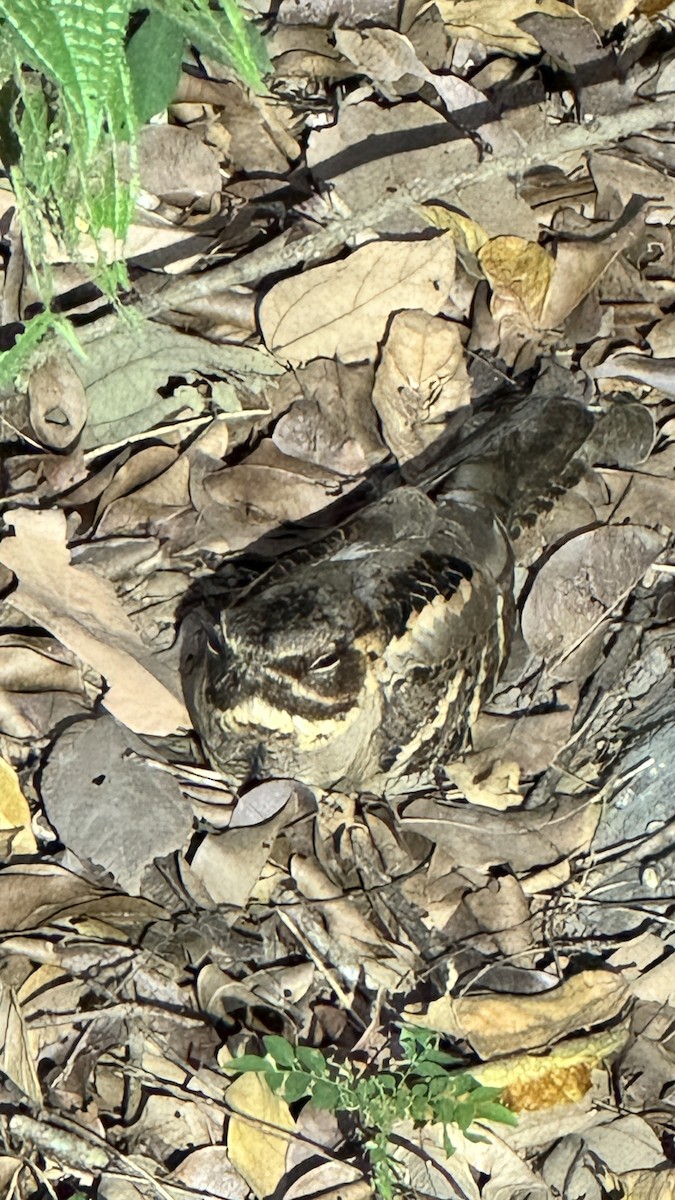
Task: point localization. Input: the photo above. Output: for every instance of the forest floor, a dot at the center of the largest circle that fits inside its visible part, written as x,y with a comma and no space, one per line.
434,204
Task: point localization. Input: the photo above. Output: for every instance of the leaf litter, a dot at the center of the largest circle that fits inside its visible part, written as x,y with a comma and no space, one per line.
434,201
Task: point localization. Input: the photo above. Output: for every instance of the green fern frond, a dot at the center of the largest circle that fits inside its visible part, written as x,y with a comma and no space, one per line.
226,35
75,118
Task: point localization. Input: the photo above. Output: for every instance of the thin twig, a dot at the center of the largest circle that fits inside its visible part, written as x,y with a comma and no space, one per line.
280,254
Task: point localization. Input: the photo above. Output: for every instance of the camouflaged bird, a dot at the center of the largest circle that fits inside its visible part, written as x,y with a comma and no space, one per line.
365,661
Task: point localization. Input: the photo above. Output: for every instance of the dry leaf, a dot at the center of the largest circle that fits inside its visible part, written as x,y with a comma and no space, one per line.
207,1172
648,1185
177,165
58,404
16,835
519,274
385,56
108,804
582,582
258,1147
421,378
502,1024
124,372
17,1053
82,611
342,308
563,1076
495,22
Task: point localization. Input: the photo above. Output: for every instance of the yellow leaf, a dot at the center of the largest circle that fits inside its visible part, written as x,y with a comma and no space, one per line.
518,271
500,1024
467,233
16,836
531,1082
258,1139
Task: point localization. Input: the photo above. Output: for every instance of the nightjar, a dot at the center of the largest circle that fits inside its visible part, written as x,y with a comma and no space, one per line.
364,660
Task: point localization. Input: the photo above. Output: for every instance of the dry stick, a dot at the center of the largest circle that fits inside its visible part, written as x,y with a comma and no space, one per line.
280,255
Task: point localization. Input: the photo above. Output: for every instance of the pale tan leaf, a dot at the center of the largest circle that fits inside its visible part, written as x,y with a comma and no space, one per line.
17,1058
421,378
58,404
81,609
494,22
383,55
342,308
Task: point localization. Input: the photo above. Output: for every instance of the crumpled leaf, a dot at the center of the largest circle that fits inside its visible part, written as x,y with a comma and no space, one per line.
502,1024
421,379
495,23
534,1081
82,611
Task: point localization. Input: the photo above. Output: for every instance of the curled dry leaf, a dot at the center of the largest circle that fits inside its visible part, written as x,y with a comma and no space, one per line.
504,1024
495,23
58,403
17,1054
342,308
533,1082
421,378
582,582
385,56
333,423
520,274
82,610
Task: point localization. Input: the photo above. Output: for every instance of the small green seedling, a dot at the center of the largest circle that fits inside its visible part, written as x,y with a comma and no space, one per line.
423,1085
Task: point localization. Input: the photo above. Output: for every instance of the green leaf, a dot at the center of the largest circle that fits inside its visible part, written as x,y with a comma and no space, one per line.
440,1056
414,1036
226,35
497,1112
464,1114
430,1070
326,1094
447,1143
248,1062
419,1108
296,1085
280,1050
312,1060
388,1083
444,1108
481,1093
154,58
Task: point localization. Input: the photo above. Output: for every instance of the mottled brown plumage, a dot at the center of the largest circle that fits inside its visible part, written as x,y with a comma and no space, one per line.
366,661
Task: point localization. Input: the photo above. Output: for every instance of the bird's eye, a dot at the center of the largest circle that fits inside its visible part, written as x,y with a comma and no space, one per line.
325,662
